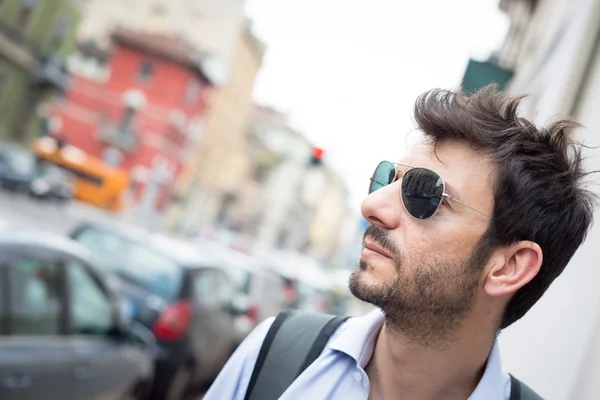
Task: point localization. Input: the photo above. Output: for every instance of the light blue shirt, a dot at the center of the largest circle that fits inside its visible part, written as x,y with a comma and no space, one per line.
338,373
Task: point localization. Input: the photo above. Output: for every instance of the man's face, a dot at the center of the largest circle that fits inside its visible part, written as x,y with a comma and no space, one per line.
421,273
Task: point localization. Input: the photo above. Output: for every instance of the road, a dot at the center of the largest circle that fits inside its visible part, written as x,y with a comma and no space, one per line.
23,211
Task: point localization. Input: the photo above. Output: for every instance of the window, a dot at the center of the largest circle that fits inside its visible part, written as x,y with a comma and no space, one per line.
126,123
25,12
211,289
35,297
203,287
133,100
60,32
136,263
146,71
89,308
153,271
192,92
156,19
157,10
242,280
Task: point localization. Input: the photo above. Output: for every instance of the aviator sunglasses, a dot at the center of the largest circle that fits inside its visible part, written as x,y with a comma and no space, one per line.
422,190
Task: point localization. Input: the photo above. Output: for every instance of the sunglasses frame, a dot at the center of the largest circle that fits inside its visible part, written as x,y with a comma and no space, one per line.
411,167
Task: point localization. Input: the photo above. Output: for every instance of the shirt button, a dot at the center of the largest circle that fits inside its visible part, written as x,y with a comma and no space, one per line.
357,376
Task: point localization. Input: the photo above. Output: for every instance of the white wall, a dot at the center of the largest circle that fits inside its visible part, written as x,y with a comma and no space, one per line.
556,347
550,70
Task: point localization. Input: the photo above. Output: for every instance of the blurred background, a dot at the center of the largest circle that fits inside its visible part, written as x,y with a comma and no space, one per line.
174,172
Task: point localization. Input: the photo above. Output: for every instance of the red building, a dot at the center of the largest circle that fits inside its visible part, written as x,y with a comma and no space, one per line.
139,107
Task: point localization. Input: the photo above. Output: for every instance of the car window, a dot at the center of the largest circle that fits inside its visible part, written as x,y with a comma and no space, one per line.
242,279
35,296
211,289
134,262
157,273
223,288
107,247
202,288
89,308
274,295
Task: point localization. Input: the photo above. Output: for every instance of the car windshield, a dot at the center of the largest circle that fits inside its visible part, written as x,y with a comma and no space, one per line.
134,262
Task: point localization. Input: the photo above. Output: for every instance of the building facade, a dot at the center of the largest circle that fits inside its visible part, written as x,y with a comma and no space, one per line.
220,164
207,24
35,38
298,202
553,49
140,106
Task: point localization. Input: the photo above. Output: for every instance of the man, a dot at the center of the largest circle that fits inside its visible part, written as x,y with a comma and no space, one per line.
467,232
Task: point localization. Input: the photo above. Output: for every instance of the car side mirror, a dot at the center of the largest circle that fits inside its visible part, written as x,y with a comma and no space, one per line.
138,333
126,327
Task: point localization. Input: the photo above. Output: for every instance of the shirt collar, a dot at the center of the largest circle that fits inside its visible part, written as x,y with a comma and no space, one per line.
357,338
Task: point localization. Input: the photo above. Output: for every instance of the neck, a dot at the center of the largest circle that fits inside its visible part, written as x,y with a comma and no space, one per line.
403,368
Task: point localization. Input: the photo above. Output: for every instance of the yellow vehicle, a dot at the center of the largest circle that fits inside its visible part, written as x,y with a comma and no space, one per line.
96,182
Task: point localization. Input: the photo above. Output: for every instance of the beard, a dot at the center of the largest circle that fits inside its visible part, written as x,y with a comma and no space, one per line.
428,300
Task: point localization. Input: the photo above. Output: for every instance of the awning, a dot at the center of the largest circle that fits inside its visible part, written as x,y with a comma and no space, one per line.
483,73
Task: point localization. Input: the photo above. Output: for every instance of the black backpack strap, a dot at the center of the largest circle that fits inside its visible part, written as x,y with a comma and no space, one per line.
520,391
294,341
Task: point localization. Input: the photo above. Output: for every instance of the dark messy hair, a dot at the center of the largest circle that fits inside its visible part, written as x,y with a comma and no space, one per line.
538,194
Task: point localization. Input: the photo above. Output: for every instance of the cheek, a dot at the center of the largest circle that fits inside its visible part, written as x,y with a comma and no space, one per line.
437,243
418,244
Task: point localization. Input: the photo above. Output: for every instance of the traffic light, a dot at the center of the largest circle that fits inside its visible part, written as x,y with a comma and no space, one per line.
317,156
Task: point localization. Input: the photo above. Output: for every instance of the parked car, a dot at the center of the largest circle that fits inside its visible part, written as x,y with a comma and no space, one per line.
307,285
259,288
183,296
62,332
16,168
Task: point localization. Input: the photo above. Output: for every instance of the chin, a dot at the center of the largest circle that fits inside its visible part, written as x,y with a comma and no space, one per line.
378,271
363,285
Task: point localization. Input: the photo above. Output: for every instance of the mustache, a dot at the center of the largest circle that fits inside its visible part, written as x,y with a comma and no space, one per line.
382,237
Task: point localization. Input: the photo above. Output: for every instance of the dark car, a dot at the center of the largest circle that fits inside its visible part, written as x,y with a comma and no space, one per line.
62,334
17,168
184,297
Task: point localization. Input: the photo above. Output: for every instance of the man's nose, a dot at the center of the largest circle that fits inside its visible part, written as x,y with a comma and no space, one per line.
383,207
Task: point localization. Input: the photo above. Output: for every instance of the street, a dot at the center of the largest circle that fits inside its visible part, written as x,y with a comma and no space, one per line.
23,211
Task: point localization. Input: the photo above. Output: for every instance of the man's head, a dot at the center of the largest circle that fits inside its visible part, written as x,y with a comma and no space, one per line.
436,271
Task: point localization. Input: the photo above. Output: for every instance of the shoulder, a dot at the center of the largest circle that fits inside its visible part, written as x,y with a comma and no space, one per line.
250,347
234,378
255,339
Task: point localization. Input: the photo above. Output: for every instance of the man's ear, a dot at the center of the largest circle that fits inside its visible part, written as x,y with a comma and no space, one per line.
512,267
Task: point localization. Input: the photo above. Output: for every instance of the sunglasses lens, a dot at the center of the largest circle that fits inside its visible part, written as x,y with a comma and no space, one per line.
384,174
422,192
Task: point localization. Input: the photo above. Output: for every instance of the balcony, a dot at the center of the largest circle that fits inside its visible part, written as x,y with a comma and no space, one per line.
126,141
